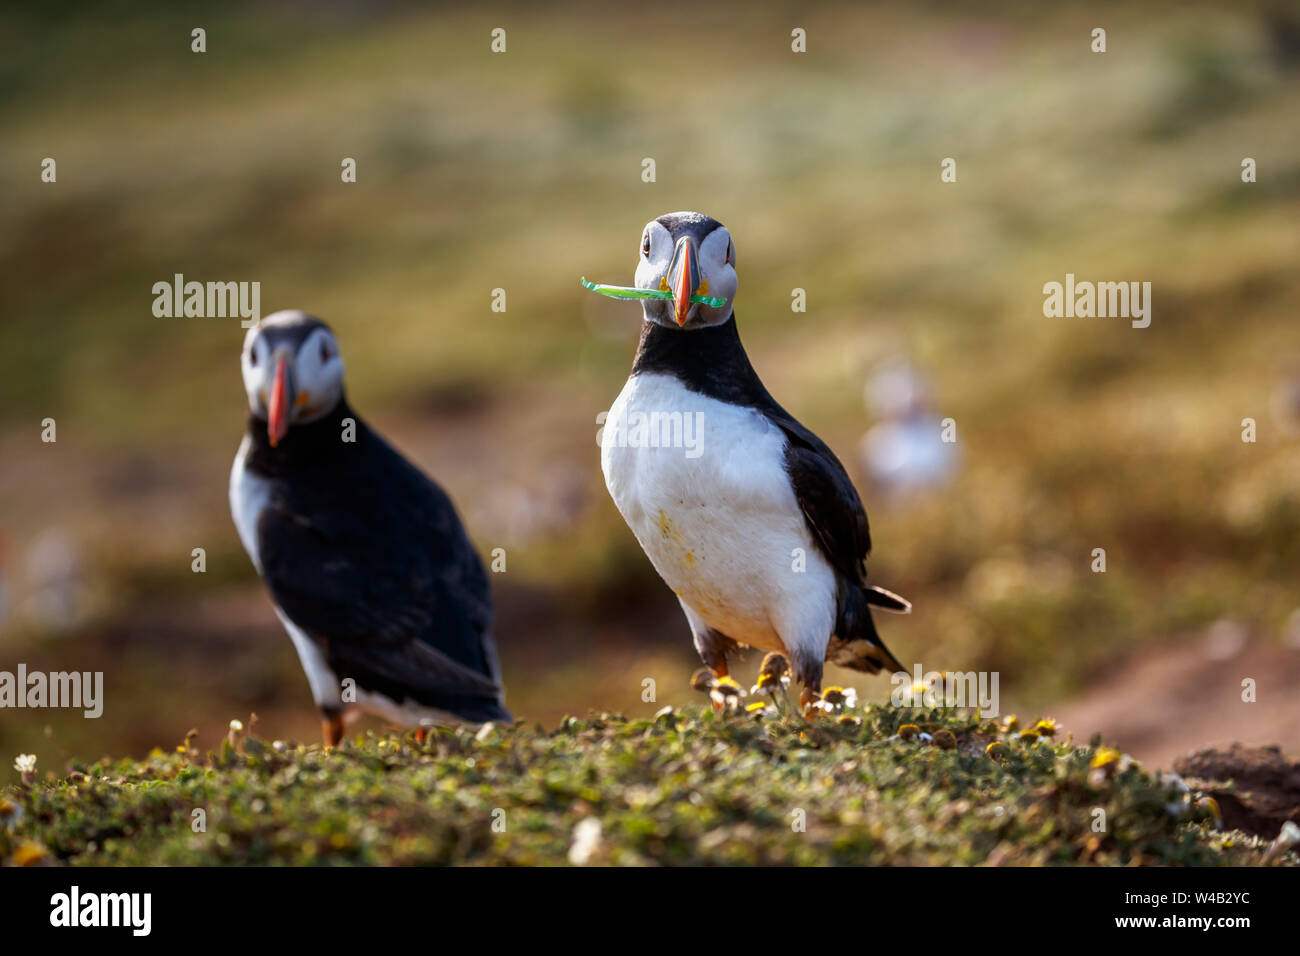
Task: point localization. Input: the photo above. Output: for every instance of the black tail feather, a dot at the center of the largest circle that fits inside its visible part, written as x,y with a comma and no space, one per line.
887,600
857,644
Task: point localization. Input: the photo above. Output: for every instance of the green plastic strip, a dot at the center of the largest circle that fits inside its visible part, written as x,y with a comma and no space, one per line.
626,292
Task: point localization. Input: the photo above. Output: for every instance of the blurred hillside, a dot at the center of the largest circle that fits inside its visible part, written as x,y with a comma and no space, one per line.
522,171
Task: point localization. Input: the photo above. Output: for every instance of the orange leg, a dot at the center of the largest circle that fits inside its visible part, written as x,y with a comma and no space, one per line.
420,734
810,694
332,729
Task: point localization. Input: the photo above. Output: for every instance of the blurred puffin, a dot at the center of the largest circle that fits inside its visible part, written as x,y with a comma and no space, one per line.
761,533
368,566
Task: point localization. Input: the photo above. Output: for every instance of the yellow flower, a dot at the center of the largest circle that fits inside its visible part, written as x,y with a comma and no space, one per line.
728,687
726,693
10,813
840,696
908,731
774,664
944,739
1011,724
996,750
28,853
1045,727
1105,757
760,709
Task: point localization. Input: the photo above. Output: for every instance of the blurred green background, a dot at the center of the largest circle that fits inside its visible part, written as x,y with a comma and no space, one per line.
522,171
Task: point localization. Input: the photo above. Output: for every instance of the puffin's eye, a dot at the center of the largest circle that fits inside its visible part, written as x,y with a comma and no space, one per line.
645,244
252,358
728,258
324,351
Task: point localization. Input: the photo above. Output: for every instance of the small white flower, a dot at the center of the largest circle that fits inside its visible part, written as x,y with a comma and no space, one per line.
840,697
1174,782
25,763
1181,794
770,685
586,841
726,693
237,726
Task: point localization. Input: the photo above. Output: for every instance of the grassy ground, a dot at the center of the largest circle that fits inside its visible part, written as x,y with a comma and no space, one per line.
880,785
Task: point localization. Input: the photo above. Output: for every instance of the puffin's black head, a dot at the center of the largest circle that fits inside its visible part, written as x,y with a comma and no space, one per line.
687,253
293,371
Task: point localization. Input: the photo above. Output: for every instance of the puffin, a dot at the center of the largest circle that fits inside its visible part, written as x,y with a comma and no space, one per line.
367,563
746,514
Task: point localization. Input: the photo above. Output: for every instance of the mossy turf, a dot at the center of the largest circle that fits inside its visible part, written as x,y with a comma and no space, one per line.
878,785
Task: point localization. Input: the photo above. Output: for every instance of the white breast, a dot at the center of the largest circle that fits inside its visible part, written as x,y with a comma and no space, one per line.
326,688
249,494
715,512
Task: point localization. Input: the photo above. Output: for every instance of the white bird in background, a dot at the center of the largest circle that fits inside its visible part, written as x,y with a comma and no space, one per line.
904,452
59,597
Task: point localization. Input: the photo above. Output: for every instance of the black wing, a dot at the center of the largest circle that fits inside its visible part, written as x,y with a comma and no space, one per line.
386,582
832,509
827,498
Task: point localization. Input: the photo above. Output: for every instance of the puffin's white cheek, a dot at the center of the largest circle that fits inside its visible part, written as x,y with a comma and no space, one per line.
252,384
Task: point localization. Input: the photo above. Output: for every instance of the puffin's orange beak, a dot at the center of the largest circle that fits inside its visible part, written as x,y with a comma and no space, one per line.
277,409
683,277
